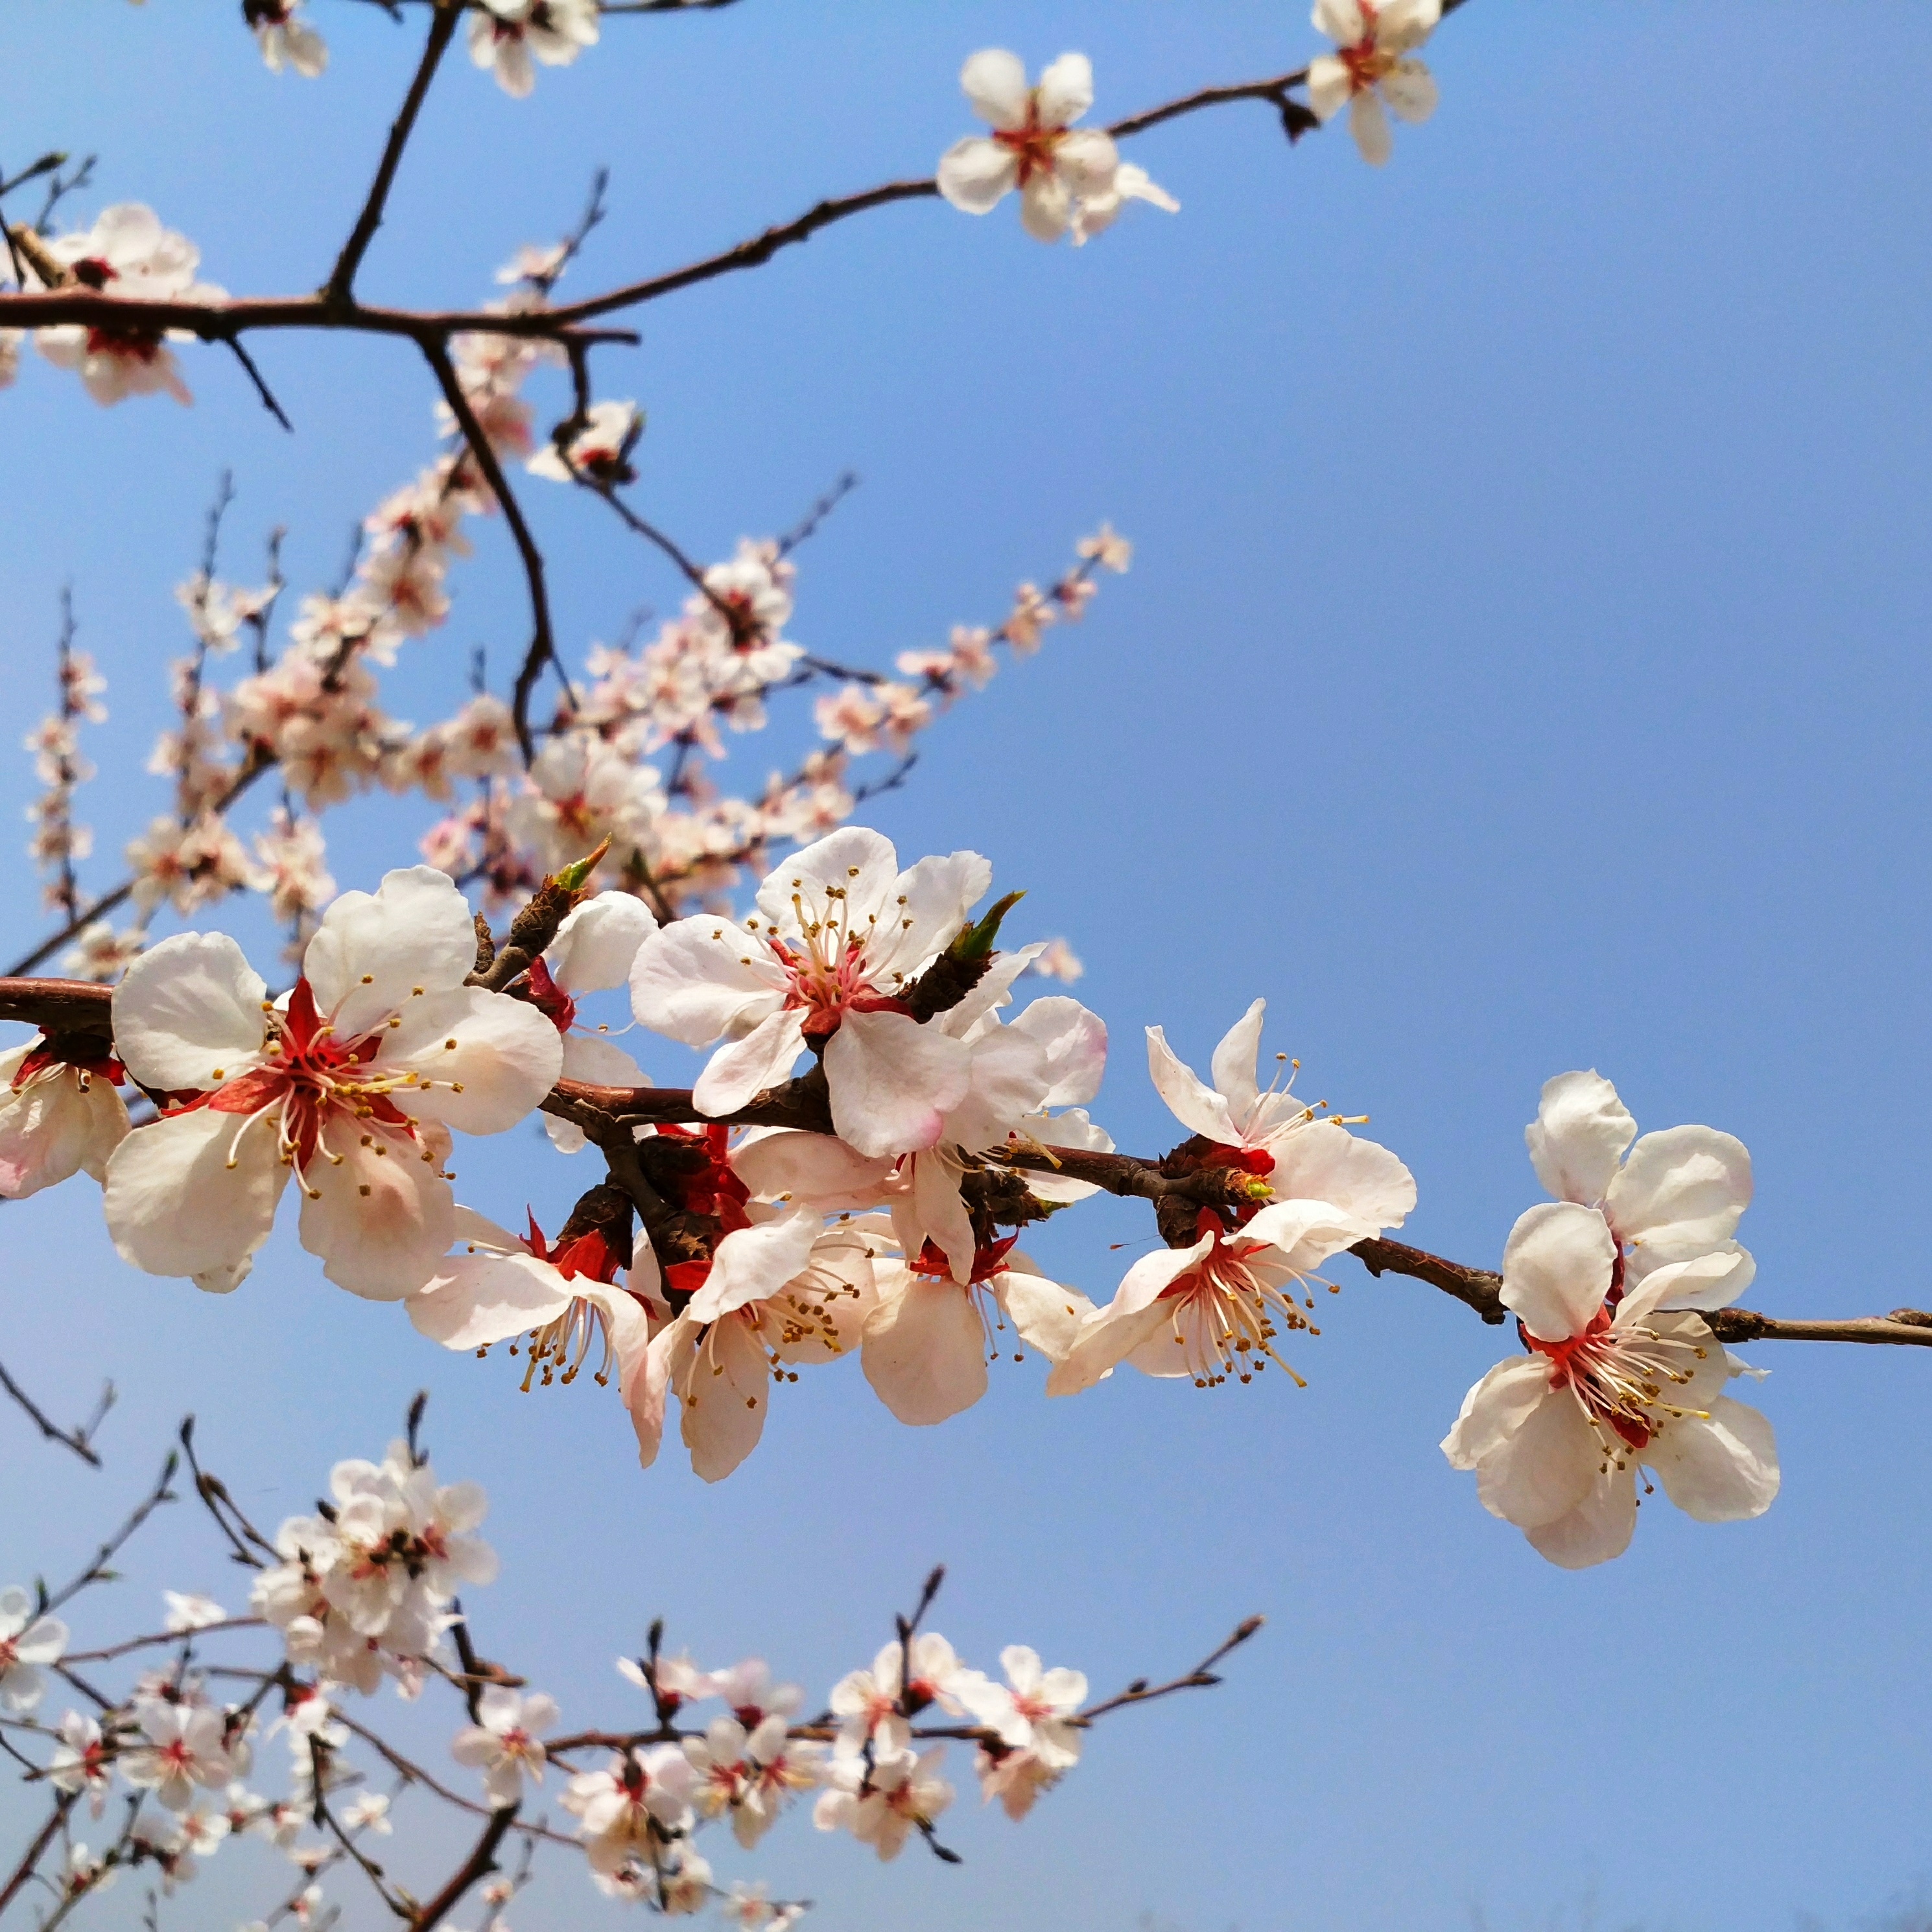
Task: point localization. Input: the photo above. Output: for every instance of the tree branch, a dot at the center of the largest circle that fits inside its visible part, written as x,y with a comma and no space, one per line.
338,293
76,1438
543,646
480,1864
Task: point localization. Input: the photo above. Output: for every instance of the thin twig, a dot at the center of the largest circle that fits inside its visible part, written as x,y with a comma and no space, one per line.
95,1572
338,292
261,389
480,1862
75,1439
31,1856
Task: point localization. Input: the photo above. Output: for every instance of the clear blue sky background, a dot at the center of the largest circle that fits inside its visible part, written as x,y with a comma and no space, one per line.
1523,667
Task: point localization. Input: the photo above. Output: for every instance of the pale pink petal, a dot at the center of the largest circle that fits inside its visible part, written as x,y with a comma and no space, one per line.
1556,1268
1341,20
818,1168
722,1399
701,979
1714,1280
761,1059
1544,1467
381,1222
1065,90
1075,1042
1410,90
753,1263
1495,1408
1330,86
855,862
892,1081
188,1013
1403,24
1680,1191
1047,1315
1233,1066
1322,1160
930,901
1370,126
1084,163
1109,1337
475,1299
1046,206
924,1352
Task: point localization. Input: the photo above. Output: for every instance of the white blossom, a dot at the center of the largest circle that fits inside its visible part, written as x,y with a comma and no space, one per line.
1373,66
26,1641
505,33
505,1744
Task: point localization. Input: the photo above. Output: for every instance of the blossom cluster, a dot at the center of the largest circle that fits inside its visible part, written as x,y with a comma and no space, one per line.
361,1593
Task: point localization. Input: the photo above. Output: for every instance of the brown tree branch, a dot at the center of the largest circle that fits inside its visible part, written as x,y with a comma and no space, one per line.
37,1848
75,1438
480,1864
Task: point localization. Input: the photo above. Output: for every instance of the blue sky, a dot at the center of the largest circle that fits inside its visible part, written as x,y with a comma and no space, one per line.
1522,667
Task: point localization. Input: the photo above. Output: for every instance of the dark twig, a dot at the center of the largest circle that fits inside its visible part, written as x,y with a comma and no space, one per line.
37,1848
480,1864
261,389
807,526
95,1570
338,292
1479,1288
75,1438
542,648
1200,1678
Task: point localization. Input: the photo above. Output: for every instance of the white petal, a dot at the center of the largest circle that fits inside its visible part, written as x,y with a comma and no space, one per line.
1322,1160
929,902
1112,1335
1233,1066
1579,1134
1714,1280
507,1056
1047,1314
1341,20
1403,24
934,1210
475,1299
50,1129
1680,1191
764,1058
1007,1068
753,1263
854,862
1370,126
1598,1528
702,979
1330,86
414,930
1075,1040
1046,207
1410,90
1193,1103
1719,1471
1304,1233
597,944
892,1081
1085,162
381,1223
995,82
975,175
1544,1467
1065,90
924,1352
1556,1268
1495,1408
175,1206
186,1007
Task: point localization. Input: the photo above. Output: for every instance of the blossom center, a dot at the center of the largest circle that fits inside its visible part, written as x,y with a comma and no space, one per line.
1619,1377
1225,1313
1031,146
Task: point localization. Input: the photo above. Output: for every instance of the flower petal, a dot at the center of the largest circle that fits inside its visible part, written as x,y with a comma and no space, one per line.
818,1168
1047,1314
1065,90
1322,1160
1410,90
762,1058
753,1263
892,1081
924,1352
702,979
1579,1134
1721,1470
1085,162
1556,1268
175,1204
1544,1467
597,944
1233,1066
485,1059
994,80
371,948
475,1299
1598,1528
1495,1408
1370,126
1046,206
188,1013
723,1398
1680,1191
382,1220
1075,1041
975,175
1193,1103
